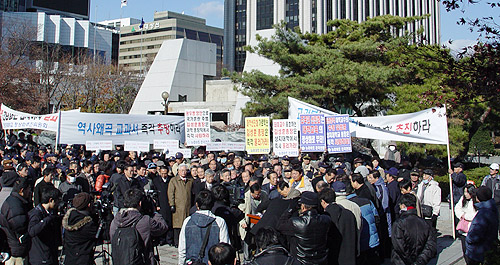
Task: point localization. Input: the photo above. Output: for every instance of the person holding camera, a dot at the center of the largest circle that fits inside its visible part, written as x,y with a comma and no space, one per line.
128,222
44,229
79,231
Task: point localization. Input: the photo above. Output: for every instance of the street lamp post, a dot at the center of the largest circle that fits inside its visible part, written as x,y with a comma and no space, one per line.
165,96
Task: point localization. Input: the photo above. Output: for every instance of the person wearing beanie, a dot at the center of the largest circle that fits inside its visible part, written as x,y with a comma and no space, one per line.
80,230
483,228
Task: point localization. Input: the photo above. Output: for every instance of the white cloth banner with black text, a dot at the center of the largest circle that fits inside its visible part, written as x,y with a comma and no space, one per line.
13,119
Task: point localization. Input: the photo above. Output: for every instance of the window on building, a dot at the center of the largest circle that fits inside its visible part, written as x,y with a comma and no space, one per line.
292,13
265,14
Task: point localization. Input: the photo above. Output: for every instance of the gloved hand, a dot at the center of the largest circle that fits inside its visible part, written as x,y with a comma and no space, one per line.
434,219
172,209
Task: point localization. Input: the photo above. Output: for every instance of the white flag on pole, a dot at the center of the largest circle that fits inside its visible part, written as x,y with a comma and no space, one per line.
124,3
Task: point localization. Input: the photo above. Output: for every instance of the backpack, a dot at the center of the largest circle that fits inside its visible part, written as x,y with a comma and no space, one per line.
127,246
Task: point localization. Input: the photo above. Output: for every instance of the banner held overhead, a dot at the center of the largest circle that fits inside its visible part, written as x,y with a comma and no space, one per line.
312,133
285,138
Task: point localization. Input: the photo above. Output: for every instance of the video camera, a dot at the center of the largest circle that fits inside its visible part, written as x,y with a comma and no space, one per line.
103,206
236,194
148,206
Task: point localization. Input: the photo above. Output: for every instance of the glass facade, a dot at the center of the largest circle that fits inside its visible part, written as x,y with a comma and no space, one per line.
240,34
292,13
265,14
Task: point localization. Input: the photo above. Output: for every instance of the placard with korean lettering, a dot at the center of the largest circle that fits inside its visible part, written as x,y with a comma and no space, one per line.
257,135
136,146
285,138
312,133
98,145
338,136
197,125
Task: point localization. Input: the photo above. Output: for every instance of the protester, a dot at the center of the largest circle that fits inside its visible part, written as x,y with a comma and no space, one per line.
195,228
413,240
298,181
429,193
459,181
307,233
269,249
342,240
45,183
179,198
44,228
15,210
465,212
160,184
492,181
80,231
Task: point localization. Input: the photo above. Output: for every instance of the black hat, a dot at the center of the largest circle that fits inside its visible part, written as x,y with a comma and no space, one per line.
306,157
415,171
358,160
323,165
285,158
429,172
179,155
170,159
263,158
267,165
309,198
458,165
483,193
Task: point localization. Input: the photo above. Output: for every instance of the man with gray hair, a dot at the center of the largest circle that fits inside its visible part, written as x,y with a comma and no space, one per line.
205,183
179,198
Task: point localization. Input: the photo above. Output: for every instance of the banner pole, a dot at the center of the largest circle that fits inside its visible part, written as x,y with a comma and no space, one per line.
452,213
58,130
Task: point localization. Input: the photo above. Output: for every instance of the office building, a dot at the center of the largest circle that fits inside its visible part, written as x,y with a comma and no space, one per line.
75,36
139,45
243,19
120,22
78,9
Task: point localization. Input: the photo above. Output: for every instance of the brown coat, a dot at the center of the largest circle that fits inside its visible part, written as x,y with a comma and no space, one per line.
179,195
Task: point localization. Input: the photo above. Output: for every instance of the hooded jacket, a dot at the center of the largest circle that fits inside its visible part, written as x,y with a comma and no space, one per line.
79,237
146,226
483,230
193,231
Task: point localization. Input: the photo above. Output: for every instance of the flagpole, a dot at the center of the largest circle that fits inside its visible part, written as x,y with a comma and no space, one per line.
140,62
452,213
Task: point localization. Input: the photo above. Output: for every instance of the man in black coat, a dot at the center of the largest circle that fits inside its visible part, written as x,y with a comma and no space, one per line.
15,209
308,232
269,250
45,229
342,238
79,231
126,182
161,186
413,240
48,175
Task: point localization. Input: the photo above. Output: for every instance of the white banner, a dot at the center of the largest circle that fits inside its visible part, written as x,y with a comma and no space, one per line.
77,128
98,145
166,144
197,124
186,152
225,146
285,138
13,119
136,146
426,126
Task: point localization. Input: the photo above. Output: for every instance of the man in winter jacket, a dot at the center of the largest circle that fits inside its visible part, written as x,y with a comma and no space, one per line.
79,231
343,230
196,226
45,229
429,194
15,209
146,226
492,181
413,240
308,232
269,250
482,232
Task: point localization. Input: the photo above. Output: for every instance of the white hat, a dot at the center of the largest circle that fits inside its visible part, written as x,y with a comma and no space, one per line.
494,166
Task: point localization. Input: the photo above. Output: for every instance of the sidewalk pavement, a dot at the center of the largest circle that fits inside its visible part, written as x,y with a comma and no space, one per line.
449,250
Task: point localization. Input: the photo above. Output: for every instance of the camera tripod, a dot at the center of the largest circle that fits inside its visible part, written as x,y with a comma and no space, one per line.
104,253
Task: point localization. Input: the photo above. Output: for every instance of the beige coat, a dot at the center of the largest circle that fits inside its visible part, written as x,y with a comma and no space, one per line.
179,195
246,208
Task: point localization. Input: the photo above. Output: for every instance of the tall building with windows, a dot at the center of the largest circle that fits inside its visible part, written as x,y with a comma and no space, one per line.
140,44
78,9
243,19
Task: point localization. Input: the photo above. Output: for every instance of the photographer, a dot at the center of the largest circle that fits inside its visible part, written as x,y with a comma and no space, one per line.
45,229
146,226
79,231
229,212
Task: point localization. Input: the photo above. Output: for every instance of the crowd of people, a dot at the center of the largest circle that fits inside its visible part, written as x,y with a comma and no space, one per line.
316,208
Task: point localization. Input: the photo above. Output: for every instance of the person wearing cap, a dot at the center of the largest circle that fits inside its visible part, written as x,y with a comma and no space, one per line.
483,230
391,176
415,179
80,230
342,242
307,167
429,194
459,181
308,231
179,159
492,181
298,181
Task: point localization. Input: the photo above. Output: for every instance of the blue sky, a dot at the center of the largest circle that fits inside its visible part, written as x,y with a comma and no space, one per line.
213,12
